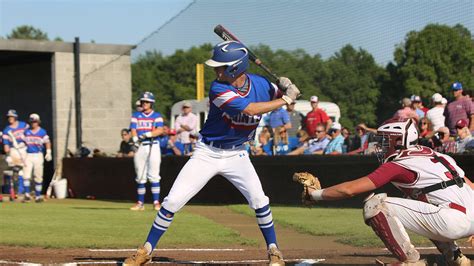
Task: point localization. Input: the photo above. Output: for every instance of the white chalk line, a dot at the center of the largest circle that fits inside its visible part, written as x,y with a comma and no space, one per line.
430,248
170,249
303,261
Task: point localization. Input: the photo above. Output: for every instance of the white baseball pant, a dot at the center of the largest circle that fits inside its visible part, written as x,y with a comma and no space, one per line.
34,166
434,222
147,166
205,163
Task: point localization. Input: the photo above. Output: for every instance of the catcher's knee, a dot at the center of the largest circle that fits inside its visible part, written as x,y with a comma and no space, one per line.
389,228
374,205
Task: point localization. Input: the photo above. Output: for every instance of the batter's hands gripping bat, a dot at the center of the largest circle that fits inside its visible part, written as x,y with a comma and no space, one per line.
226,35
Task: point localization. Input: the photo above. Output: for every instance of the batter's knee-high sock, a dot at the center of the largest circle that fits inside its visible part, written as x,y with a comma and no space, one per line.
155,191
141,190
27,185
21,187
38,189
160,225
265,222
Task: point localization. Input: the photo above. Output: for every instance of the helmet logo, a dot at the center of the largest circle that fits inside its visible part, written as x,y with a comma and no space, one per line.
224,48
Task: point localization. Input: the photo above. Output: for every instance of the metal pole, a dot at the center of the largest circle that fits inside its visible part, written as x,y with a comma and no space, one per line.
77,92
199,82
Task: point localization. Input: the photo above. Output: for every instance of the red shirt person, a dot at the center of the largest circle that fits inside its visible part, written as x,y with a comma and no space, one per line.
315,117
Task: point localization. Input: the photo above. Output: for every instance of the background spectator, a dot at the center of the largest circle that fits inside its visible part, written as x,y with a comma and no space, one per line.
315,117
418,106
334,147
265,143
127,147
347,139
441,141
425,127
173,146
313,145
279,118
295,119
163,139
426,132
464,136
435,114
138,106
186,124
460,108
360,141
282,144
406,111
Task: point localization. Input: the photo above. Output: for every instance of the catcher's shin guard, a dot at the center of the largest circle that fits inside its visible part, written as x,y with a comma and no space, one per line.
389,229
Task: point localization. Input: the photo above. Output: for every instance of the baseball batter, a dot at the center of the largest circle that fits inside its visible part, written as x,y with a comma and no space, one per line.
441,199
146,126
15,148
36,139
237,101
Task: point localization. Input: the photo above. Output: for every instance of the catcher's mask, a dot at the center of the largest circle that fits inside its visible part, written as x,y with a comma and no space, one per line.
393,136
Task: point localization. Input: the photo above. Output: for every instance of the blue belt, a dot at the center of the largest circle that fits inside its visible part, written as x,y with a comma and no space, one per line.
223,146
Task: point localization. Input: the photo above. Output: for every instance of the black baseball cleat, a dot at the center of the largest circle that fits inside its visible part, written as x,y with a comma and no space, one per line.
39,200
26,199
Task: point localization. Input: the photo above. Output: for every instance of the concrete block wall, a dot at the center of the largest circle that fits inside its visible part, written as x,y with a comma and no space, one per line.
105,100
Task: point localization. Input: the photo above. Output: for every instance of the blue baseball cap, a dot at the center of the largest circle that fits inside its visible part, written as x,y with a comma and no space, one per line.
456,86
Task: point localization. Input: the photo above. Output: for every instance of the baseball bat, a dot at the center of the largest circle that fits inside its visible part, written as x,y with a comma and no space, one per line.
226,35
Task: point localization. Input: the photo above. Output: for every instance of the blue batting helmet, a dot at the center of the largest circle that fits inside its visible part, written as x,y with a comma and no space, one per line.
232,54
12,112
147,97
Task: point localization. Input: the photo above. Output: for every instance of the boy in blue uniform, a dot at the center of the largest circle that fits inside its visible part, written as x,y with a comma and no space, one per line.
36,139
237,102
15,149
145,127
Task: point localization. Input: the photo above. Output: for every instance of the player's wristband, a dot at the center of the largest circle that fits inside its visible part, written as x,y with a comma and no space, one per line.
135,139
148,134
317,194
287,99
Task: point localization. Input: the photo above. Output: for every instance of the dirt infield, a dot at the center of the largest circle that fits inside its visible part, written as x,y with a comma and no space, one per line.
296,247
347,256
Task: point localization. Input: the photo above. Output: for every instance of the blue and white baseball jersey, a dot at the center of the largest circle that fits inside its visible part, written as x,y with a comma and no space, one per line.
18,132
226,124
35,140
143,123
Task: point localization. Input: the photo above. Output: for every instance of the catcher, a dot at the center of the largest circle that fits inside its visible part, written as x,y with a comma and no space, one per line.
439,203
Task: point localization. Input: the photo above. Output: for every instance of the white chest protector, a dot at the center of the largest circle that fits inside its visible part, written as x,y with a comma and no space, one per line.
430,171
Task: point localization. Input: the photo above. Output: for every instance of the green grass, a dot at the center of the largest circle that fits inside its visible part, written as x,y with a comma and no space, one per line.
346,225
100,224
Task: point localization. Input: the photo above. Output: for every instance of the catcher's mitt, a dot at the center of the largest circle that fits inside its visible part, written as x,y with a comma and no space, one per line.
308,181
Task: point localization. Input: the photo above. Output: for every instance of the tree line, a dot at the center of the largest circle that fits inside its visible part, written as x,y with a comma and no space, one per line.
425,62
